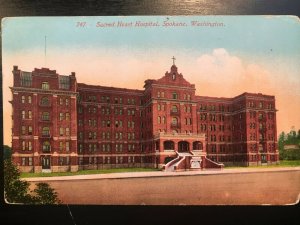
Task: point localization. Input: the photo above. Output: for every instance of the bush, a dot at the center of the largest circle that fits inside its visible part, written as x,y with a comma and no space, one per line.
17,190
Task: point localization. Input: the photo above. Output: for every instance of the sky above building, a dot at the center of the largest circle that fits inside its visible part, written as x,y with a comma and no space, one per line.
222,56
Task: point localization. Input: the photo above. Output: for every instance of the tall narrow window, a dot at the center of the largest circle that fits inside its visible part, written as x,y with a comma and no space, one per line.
61,116
174,95
23,131
30,130
68,131
67,146
23,99
61,131
29,114
67,116
23,145
29,99
23,114
29,145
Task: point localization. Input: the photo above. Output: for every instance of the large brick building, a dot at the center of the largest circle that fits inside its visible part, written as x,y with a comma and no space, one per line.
62,125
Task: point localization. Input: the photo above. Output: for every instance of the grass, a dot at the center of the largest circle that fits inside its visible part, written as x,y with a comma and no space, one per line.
85,172
283,163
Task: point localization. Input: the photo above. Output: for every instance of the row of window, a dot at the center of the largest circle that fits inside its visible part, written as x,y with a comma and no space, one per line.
161,94
62,101
29,99
221,138
107,99
107,111
260,105
212,117
213,107
107,135
107,147
108,160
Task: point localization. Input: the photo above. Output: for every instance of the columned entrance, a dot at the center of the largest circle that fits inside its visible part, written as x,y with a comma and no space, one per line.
183,146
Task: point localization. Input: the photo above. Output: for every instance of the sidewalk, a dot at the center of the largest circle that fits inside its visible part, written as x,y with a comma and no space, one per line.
160,174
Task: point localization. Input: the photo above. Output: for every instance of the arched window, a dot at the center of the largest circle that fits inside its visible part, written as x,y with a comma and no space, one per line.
174,108
163,119
168,145
46,131
45,101
173,76
159,119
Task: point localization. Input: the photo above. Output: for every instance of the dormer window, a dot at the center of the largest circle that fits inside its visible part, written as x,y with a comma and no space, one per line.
173,76
45,86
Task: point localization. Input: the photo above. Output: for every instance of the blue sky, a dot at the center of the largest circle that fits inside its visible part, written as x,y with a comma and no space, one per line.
247,34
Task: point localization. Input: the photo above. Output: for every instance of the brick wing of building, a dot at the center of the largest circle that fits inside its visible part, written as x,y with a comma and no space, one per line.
61,125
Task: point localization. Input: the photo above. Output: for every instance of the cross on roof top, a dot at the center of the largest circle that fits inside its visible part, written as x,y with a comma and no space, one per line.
174,60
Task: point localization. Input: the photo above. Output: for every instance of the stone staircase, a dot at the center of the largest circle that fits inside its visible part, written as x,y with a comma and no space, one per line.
191,161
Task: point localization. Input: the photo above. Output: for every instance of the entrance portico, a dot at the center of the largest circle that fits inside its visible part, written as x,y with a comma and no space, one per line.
167,144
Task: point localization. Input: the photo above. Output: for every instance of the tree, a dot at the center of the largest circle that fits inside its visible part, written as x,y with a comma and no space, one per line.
45,194
6,152
17,191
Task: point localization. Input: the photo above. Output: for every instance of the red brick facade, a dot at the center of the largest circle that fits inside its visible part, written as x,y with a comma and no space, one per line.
59,125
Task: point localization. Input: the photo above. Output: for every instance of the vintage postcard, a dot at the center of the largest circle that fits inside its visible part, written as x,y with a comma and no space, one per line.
151,110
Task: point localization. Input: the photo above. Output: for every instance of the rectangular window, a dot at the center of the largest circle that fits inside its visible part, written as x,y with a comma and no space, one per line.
23,161
64,82
61,116
29,145
67,116
61,131
45,86
23,114
68,131
30,161
23,130
61,145
30,130
67,146
26,79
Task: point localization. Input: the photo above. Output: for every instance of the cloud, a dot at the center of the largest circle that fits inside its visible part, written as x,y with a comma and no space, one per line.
234,75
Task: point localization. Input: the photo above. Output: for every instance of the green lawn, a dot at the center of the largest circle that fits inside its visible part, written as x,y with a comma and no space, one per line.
84,172
283,163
